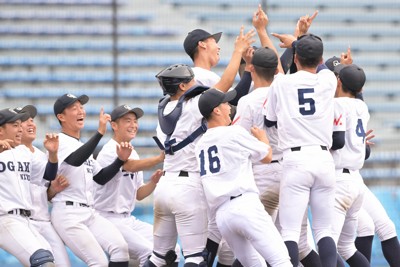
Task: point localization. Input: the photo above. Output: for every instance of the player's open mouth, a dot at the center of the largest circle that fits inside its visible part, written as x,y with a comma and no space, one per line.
30,130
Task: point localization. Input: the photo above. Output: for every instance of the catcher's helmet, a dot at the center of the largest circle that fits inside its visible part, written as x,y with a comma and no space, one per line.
171,77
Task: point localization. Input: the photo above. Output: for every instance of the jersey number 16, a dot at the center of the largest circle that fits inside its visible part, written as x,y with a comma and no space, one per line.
214,164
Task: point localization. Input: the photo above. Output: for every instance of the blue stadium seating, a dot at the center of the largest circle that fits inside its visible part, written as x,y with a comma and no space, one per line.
374,32
86,30
368,4
73,16
290,16
384,107
99,61
62,2
89,45
381,173
90,76
130,93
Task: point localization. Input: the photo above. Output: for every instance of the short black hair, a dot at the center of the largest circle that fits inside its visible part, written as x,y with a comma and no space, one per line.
266,73
309,62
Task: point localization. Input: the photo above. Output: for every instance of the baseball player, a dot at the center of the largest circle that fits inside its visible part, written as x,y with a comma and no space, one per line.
348,151
249,114
17,236
40,216
179,204
203,49
116,199
301,106
81,228
225,155
372,216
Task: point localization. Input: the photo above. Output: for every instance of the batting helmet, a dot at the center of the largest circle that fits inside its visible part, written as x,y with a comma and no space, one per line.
171,77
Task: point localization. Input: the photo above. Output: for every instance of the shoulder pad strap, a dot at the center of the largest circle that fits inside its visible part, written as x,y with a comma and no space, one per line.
168,122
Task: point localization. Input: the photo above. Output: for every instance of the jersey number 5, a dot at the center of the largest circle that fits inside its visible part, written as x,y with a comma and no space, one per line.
214,163
303,101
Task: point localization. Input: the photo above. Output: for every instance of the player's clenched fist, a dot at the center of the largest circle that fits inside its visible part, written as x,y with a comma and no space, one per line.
6,144
103,119
124,150
59,184
260,134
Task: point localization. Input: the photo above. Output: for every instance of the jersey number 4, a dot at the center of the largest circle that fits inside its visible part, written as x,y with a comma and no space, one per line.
307,104
360,132
214,164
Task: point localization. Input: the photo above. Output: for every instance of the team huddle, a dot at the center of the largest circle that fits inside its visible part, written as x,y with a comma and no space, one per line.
242,167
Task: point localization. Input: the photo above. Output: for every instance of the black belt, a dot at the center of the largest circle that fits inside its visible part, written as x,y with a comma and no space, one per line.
21,212
233,197
298,148
181,173
275,161
346,170
71,203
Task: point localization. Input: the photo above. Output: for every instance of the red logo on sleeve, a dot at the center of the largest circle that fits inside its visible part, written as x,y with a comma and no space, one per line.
338,120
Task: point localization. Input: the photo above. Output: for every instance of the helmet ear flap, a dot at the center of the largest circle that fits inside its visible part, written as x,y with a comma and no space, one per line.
171,77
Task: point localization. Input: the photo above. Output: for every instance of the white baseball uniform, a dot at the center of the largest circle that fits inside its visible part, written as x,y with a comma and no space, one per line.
351,117
249,112
384,226
302,105
225,255
116,200
82,229
205,77
179,203
17,235
225,156
40,217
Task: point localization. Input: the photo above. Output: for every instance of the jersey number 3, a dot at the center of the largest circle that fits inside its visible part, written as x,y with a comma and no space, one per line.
214,163
303,101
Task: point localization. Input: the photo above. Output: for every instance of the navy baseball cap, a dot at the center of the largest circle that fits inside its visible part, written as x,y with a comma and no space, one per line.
265,57
332,62
213,98
31,110
351,76
67,100
309,46
10,115
193,38
120,111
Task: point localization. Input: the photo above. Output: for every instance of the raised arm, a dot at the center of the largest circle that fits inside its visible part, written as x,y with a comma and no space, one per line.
260,23
243,41
135,165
